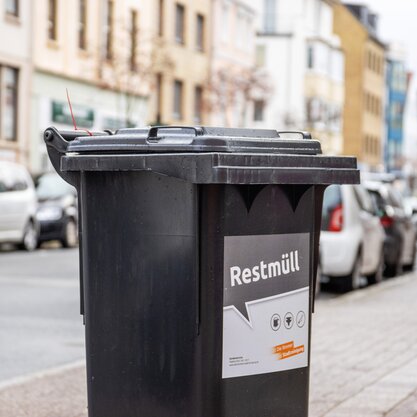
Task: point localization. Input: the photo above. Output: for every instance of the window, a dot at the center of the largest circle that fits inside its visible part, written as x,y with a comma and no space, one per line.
133,39
178,93
198,104
258,110
366,144
310,57
108,29
241,30
269,16
179,23
12,7
319,57
52,20
200,33
260,55
13,180
161,18
82,25
337,65
9,120
159,81
225,28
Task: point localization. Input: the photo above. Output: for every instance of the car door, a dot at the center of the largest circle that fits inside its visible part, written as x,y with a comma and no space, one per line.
408,227
373,231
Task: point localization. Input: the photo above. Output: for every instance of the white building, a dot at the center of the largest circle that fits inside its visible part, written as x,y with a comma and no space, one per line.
95,49
232,62
15,77
304,61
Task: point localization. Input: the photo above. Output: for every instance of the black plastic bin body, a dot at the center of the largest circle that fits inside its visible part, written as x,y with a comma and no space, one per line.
165,216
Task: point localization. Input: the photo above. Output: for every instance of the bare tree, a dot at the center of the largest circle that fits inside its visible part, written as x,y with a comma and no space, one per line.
129,65
231,90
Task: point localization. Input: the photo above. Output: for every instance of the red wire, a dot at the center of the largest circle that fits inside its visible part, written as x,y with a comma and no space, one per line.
72,116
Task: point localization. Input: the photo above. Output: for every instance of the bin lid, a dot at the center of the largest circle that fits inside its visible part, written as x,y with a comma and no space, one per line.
197,139
204,155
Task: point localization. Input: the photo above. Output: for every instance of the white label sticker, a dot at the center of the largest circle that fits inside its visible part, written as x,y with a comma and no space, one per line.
266,304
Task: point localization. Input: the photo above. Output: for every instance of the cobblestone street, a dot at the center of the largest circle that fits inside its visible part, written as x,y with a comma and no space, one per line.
364,353
364,361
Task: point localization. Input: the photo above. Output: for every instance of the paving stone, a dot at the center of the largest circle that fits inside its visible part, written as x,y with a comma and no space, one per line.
364,361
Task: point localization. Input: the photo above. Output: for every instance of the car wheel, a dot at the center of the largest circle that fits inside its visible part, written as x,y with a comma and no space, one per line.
378,275
394,269
353,280
30,237
410,266
318,280
70,238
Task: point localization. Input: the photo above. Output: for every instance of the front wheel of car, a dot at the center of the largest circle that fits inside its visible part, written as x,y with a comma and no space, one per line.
70,238
30,237
353,280
409,267
378,275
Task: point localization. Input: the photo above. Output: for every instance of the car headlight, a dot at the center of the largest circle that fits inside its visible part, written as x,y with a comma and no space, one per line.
49,213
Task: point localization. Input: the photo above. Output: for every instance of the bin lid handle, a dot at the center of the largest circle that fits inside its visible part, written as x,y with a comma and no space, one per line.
153,131
305,135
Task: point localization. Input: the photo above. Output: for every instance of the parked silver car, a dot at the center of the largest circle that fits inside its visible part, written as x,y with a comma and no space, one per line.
18,204
400,244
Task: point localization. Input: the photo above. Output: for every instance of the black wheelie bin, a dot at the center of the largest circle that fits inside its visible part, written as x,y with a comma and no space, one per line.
198,251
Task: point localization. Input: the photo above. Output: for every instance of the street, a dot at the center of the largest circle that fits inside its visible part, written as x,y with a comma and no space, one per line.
40,325
363,358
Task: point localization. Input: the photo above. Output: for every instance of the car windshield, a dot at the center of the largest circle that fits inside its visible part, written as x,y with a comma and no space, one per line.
51,186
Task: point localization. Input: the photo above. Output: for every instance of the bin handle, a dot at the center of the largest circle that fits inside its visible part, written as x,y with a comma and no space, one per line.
153,131
305,135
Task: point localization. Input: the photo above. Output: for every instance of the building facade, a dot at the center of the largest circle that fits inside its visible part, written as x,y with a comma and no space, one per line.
182,30
363,116
15,79
98,50
233,73
297,46
397,86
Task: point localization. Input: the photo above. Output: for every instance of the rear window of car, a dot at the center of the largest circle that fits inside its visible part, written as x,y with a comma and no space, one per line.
332,198
395,198
12,180
378,200
364,199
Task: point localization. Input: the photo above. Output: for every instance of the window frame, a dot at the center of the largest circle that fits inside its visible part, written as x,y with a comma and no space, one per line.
82,24
53,20
6,88
161,18
200,39
178,100
134,31
269,15
198,104
259,110
109,30
16,12
179,26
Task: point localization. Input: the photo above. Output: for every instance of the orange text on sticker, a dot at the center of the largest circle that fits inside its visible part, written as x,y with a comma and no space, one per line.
291,352
284,347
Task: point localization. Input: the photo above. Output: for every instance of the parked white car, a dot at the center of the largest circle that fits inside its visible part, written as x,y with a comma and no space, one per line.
352,237
18,204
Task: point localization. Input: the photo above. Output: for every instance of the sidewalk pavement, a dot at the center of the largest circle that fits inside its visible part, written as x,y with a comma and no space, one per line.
364,361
